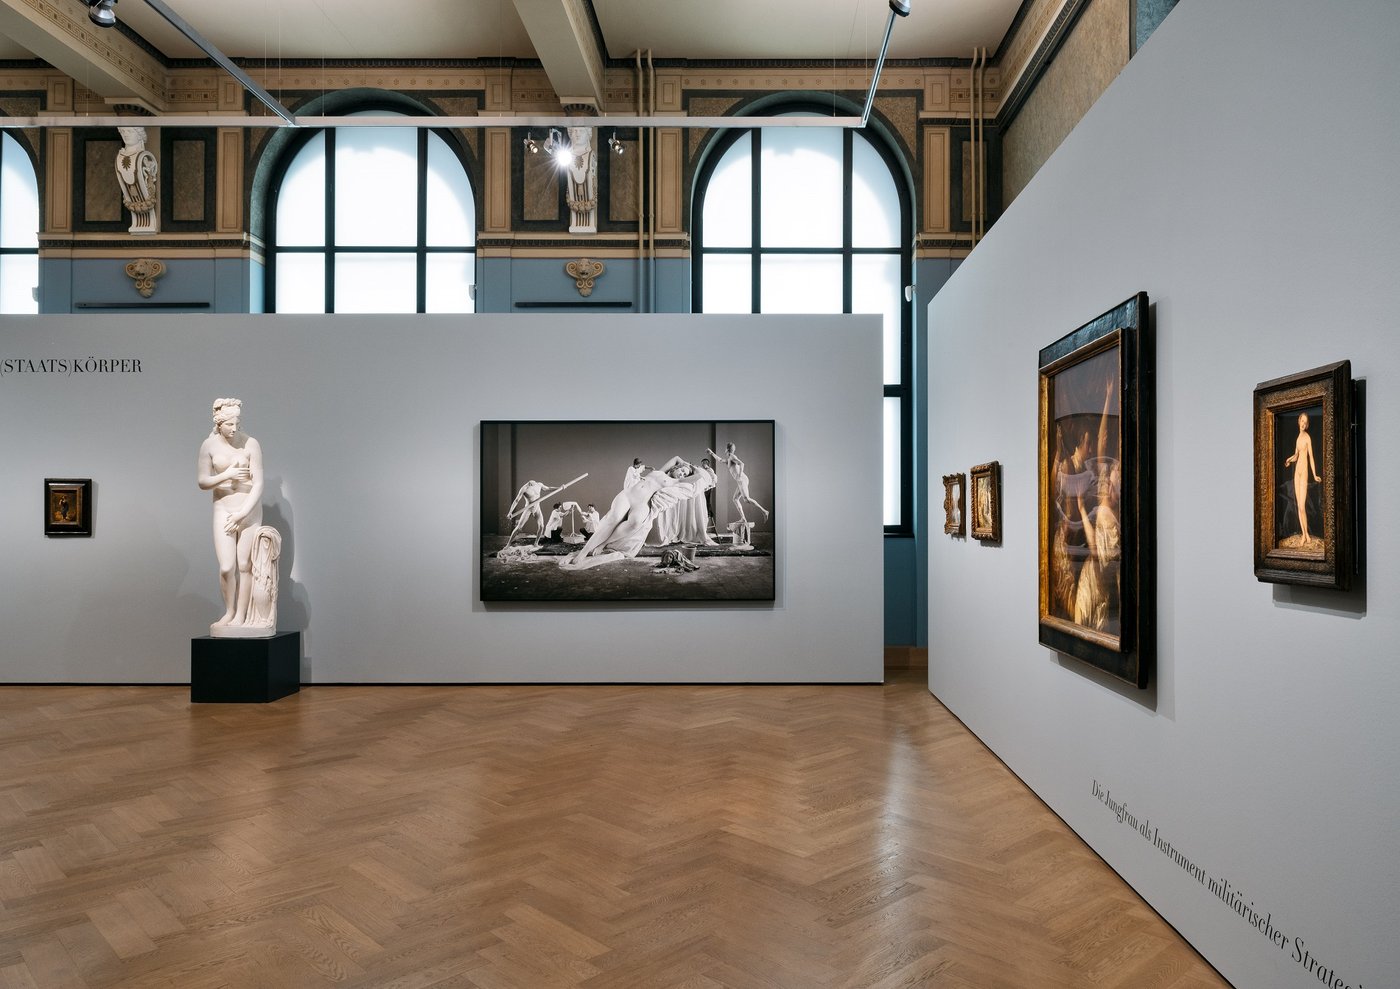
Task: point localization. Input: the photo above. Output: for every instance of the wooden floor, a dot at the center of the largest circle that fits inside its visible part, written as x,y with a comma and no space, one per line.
528,837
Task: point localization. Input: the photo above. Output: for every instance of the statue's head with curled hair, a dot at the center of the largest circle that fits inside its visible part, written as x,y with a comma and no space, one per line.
226,409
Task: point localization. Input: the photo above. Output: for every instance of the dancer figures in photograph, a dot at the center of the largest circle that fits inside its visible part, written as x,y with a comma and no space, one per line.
555,523
741,481
688,520
526,504
623,529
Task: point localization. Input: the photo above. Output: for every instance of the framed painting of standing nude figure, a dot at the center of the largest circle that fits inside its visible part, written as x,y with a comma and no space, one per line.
1304,484
1096,510
588,510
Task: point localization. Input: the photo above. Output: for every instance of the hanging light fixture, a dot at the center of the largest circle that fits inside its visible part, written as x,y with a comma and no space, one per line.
100,12
560,148
615,144
531,145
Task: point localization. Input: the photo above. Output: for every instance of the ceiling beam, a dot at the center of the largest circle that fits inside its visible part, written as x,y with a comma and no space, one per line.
463,123
561,32
100,59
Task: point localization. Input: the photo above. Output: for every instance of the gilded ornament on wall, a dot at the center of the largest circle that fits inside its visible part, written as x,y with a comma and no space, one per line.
144,272
583,271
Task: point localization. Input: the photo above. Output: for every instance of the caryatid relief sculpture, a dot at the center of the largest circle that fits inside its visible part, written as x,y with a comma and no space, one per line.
138,178
583,182
230,465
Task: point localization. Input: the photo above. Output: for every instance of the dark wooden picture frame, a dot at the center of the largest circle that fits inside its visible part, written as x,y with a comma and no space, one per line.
68,506
984,497
955,504
1304,478
1096,509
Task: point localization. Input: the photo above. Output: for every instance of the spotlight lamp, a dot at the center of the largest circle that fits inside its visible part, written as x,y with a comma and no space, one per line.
531,145
615,144
100,12
559,147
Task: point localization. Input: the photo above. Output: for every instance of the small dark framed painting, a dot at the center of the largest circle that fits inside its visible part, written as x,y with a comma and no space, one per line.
1304,480
67,506
641,510
985,481
1096,510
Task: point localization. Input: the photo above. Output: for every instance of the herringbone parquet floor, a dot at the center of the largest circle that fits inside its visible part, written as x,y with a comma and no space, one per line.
535,837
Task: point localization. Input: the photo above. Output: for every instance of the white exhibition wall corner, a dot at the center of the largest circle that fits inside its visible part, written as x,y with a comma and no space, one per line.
369,427
1254,200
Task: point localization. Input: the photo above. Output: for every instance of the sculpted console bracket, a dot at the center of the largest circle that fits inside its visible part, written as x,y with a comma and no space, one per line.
584,271
143,273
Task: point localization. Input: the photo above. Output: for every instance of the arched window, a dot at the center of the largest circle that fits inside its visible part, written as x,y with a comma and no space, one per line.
372,219
813,220
19,229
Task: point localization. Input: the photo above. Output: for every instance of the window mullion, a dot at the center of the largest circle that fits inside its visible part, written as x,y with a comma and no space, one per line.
422,254
329,252
756,208
847,238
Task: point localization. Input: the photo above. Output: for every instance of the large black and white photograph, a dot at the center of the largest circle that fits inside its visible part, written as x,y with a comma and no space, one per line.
628,511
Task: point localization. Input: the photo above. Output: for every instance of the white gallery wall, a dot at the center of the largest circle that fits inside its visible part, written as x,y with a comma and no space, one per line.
1242,171
369,427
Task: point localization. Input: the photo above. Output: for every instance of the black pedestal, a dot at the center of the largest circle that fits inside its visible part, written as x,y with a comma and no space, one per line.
244,671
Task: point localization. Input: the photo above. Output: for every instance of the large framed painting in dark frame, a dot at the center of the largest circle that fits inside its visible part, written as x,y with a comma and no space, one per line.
1304,478
696,542
1097,517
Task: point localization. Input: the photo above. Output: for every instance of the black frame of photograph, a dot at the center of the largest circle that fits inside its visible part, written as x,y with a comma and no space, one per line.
1327,393
81,523
674,565
1122,336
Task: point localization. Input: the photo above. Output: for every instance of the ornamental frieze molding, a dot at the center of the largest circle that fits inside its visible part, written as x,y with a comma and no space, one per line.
841,79
1036,40
1027,35
374,78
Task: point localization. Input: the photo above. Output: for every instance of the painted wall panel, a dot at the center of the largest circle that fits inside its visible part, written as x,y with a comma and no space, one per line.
1266,751
364,420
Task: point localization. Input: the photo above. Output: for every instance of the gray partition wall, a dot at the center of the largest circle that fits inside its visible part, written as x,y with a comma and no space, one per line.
369,426
1250,793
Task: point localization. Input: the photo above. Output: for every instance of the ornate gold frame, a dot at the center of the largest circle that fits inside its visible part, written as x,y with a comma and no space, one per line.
955,504
990,474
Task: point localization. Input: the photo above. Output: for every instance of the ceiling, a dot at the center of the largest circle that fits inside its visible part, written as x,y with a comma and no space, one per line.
472,29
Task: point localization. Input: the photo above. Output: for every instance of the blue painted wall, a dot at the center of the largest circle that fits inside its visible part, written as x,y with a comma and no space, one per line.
224,285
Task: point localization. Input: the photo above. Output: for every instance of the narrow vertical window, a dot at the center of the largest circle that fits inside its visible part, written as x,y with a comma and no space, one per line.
19,229
812,220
